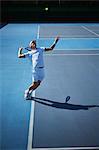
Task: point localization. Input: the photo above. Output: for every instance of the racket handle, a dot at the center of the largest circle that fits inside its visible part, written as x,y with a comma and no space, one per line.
27,48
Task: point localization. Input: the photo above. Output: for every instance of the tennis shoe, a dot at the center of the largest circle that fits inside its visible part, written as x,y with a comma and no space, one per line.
27,95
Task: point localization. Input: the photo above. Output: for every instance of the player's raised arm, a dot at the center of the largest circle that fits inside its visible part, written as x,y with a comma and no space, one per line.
53,45
20,55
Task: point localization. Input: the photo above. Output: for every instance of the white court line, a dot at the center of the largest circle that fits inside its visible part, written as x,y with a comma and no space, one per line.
78,49
72,148
69,38
31,124
71,54
90,31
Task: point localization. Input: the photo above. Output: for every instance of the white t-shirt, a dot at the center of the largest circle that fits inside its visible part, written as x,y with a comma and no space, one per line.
36,57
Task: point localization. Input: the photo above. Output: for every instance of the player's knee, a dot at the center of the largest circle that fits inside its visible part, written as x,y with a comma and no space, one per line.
37,83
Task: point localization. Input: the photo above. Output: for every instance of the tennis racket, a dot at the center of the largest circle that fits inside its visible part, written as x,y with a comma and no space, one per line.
67,99
27,48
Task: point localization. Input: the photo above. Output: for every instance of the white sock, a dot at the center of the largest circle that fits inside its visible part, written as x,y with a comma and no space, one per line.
30,92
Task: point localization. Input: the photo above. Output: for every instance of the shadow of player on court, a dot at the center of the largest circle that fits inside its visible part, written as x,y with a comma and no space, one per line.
60,105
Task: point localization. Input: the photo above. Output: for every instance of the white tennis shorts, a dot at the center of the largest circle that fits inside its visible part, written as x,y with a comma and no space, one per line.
38,74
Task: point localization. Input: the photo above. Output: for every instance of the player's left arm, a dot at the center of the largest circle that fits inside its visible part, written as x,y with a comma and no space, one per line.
53,45
22,55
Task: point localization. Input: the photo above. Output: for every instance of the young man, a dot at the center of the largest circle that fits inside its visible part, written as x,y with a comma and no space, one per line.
36,56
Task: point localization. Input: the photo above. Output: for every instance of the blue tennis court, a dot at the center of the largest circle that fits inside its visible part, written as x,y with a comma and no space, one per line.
71,69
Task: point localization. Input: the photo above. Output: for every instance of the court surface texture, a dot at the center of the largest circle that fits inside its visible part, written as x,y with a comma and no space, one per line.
71,69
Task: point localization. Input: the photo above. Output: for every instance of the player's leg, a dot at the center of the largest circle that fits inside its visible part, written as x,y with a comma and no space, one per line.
34,85
37,77
31,88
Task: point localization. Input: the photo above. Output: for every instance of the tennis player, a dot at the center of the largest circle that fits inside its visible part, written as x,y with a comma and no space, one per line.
36,56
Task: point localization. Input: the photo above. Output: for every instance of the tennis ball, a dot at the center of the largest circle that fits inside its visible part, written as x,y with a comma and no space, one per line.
46,8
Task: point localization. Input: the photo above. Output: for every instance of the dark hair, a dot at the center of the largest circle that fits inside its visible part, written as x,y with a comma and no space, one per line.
34,41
